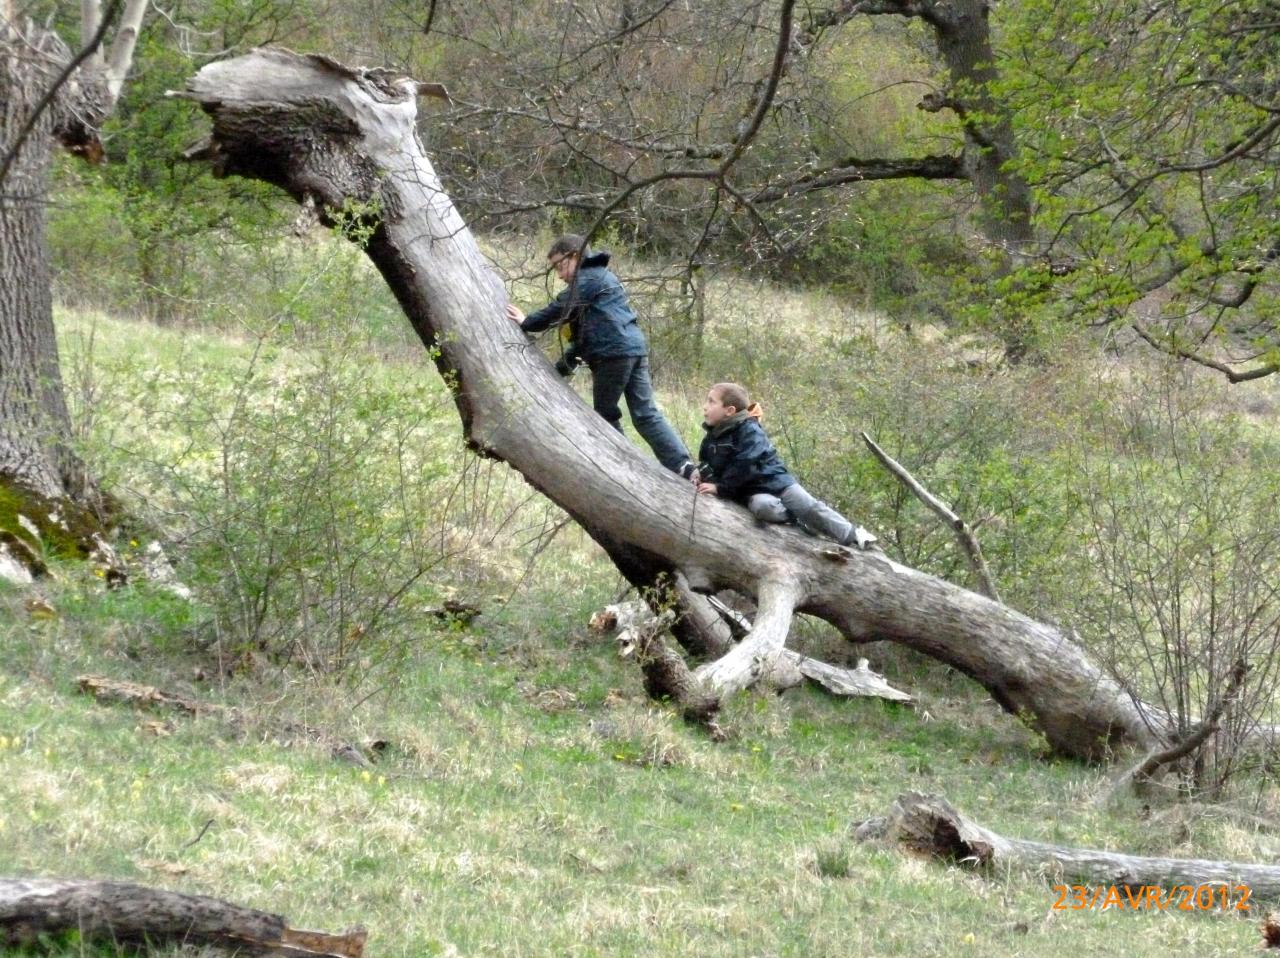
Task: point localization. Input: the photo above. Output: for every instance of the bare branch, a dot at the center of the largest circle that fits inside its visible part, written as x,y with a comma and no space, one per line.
853,170
771,88
1172,348
121,56
755,654
1195,738
90,19
968,541
1232,153
740,144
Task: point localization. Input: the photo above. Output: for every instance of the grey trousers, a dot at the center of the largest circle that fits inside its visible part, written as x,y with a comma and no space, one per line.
813,515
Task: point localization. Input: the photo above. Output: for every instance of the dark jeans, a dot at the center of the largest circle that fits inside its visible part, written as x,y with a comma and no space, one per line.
614,378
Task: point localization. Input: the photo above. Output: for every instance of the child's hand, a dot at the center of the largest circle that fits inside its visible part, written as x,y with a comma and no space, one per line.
707,488
514,313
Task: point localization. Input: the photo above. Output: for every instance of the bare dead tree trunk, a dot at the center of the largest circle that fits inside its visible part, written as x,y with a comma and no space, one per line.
336,137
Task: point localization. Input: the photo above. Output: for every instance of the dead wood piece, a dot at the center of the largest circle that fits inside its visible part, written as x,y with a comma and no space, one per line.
860,681
839,681
1271,932
455,611
112,912
122,692
787,670
968,541
929,825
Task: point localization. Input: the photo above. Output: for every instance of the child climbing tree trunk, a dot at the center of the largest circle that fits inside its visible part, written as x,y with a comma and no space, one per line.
345,139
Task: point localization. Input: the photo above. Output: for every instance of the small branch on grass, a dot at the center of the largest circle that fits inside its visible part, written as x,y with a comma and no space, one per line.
121,692
968,541
929,825
109,913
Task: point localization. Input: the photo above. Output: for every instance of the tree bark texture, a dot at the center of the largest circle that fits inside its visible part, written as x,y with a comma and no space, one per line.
928,824
345,140
115,912
34,424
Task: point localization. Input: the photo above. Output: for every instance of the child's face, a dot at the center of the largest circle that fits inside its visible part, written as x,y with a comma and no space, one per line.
714,411
564,264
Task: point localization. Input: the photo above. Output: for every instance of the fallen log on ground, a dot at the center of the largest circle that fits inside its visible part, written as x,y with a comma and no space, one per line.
111,913
929,825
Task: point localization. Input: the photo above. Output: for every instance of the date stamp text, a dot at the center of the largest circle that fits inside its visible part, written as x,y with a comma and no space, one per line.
1206,897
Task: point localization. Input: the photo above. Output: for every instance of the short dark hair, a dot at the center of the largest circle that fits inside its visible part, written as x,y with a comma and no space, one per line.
731,394
569,244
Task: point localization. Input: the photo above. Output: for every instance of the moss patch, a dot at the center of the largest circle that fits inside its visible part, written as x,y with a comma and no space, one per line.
63,529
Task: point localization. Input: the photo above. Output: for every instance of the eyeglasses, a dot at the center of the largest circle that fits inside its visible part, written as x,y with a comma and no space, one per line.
555,263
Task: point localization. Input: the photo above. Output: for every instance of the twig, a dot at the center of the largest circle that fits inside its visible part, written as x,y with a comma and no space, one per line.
207,826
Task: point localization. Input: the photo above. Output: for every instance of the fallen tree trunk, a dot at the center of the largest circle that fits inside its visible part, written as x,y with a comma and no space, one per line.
928,824
114,912
345,140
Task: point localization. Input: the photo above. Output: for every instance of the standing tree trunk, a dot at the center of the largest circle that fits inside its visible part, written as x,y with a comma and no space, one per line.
964,42
34,425
344,139
47,97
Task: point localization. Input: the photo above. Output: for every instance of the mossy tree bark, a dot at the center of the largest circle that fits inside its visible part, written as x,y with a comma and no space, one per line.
345,139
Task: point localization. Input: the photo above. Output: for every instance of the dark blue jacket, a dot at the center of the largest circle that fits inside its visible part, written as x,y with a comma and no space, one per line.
739,458
595,304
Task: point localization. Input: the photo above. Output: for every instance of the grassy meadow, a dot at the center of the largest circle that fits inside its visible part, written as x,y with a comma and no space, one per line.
308,481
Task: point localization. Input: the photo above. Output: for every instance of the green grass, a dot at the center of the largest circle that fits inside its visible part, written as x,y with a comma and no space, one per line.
531,800
509,817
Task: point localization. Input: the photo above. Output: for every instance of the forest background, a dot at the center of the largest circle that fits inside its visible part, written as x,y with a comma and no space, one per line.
1050,341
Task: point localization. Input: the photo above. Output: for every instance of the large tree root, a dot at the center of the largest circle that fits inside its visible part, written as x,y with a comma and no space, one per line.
116,912
928,824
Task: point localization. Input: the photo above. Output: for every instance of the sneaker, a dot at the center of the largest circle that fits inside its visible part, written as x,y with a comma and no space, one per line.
688,470
862,539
